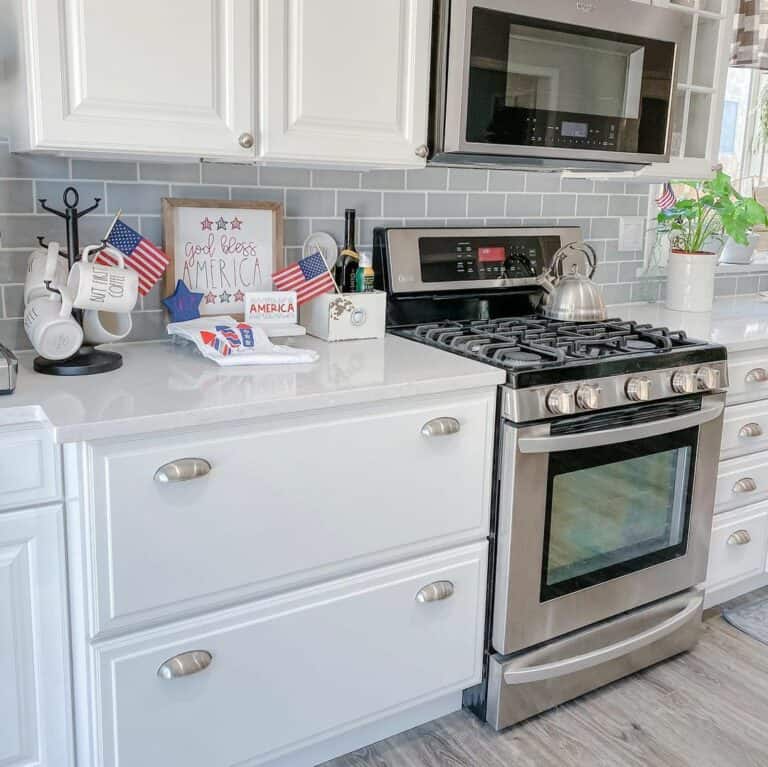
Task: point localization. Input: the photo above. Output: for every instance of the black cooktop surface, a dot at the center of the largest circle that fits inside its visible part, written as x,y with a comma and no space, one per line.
535,350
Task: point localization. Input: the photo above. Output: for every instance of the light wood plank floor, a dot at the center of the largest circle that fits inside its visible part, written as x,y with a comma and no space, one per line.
705,708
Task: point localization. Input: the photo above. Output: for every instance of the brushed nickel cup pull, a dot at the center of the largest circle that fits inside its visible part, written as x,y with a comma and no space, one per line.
434,592
245,140
182,470
185,664
739,538
751,430
745,485
756,375
440,427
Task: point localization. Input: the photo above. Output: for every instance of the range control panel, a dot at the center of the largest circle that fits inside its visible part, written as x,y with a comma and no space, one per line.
451,259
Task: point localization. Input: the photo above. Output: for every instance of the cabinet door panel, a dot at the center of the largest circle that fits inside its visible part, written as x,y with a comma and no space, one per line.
344,81
171,78
34,687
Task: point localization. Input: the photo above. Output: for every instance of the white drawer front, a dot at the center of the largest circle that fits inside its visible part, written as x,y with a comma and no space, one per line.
748,377
285,502
745,429
294,669
29,466
739,545
741,481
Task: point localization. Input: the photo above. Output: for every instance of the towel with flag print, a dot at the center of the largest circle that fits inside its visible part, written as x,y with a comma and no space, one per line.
309,278
146,259
666,200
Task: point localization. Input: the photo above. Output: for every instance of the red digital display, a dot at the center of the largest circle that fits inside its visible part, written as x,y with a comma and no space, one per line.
484,255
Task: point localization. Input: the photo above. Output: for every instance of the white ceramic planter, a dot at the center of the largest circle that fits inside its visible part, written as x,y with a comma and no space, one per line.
691,281
733,253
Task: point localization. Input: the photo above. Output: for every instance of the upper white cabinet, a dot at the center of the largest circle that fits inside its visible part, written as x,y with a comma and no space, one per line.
35,710
344,81
171,78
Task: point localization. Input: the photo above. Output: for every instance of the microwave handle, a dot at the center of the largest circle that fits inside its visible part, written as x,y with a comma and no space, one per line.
553,444
617,650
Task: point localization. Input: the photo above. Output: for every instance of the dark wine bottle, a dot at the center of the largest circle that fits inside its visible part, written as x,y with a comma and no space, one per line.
348,259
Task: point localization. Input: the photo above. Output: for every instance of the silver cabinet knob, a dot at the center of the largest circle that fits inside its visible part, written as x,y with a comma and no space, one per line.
182,470
756,375
245,140
561,402
684,382
639,388
744,485
185,664
709,378
440,427
739,538
422,150
434,592
751,430
588,396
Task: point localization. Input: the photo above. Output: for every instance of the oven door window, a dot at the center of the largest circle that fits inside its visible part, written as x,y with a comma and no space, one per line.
542,84
617,509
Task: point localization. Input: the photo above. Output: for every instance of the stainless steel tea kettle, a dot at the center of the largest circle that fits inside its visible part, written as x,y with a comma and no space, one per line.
570,295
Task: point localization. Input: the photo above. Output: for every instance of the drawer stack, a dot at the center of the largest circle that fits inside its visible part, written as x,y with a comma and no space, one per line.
739,545
258,588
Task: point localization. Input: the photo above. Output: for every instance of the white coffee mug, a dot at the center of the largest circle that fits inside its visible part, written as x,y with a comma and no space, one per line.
105,327
102,287
50,326
44,265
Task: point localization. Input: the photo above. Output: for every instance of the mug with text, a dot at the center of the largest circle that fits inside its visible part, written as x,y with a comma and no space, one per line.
50,326
101,287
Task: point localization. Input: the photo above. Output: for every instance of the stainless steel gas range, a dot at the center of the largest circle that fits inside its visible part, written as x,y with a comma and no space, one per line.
606,459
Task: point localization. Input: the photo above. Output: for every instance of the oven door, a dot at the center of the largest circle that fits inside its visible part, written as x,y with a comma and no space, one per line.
543,78
602,513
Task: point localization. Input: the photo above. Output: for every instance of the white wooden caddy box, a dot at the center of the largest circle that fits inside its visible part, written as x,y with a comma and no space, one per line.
345,317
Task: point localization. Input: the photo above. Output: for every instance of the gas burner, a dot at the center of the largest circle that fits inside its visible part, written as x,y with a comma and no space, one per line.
636,345
518,359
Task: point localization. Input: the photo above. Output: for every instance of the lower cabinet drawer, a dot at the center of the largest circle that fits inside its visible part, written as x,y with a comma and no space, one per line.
745,429
291,670
741,481
739,544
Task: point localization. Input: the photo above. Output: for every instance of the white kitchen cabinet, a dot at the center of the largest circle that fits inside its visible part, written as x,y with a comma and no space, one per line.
697,109
165,79
35,709
344,81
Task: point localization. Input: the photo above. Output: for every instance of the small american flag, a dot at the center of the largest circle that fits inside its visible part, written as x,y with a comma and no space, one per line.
666,200
309,278
146,259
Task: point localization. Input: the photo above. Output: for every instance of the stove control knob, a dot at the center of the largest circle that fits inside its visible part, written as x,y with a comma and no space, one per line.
560,402
708,378
639,388
684,382
588,396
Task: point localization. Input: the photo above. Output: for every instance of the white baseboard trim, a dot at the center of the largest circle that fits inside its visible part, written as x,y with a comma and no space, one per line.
728,591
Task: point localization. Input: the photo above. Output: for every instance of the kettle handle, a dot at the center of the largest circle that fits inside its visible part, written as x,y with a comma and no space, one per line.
581,247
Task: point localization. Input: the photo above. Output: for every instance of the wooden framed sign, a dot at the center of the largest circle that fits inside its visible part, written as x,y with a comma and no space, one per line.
222,249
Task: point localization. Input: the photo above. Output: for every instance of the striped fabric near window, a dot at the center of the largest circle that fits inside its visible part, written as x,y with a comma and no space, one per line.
750,45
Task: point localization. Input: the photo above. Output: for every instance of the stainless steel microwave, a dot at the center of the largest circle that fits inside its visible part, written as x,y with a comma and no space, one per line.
553,83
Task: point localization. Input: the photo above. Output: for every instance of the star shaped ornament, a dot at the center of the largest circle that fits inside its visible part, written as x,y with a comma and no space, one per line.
183,304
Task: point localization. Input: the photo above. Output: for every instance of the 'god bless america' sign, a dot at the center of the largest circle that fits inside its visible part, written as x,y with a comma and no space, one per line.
273,308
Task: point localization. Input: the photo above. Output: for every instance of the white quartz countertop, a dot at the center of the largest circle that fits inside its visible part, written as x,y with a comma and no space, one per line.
740,322
164,385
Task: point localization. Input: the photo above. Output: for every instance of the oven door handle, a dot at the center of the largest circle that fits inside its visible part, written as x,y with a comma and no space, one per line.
553,444
604,654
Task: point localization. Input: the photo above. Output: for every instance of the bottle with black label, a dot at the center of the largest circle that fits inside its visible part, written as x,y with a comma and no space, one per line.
345,269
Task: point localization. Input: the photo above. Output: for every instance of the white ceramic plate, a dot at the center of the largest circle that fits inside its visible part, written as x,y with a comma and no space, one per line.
325,244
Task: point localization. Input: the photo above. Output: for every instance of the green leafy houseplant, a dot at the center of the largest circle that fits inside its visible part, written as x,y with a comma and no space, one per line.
717,209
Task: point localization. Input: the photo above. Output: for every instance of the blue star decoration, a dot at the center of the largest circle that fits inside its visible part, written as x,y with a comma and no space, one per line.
183,304
221,223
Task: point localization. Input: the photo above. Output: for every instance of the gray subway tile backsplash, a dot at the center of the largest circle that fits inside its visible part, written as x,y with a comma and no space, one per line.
315,201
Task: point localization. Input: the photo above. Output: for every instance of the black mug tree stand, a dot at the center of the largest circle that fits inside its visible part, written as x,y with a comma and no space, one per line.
87,360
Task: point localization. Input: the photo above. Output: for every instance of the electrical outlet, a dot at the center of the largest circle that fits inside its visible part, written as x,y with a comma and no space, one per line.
630,233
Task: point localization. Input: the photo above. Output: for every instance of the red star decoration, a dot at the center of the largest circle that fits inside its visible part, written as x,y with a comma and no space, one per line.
206,223
210,298
239,296
235,223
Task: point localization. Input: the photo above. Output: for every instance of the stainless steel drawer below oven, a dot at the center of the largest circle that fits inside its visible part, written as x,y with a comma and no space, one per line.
529,682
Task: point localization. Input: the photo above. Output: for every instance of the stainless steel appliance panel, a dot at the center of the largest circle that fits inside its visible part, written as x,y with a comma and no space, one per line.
524,615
